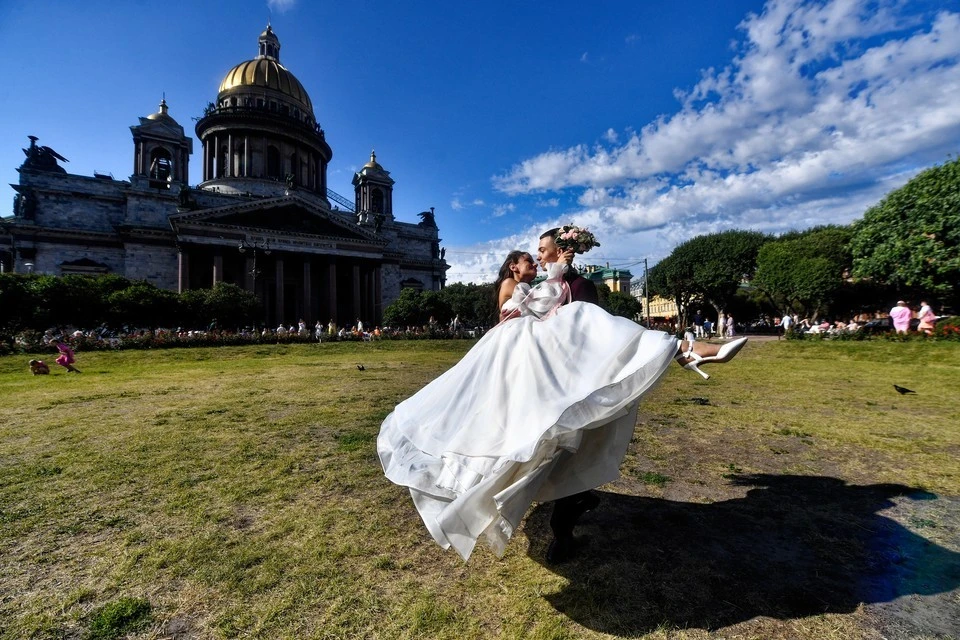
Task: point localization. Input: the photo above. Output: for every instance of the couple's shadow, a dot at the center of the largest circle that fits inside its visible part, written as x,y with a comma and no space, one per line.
794,546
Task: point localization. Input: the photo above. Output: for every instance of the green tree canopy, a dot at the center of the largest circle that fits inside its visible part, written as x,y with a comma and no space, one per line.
708,268
804,271
415,308
911,239
672,278
473,303
619,303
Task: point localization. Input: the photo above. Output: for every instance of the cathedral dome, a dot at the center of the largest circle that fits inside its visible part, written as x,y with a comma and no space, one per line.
266,72
162,115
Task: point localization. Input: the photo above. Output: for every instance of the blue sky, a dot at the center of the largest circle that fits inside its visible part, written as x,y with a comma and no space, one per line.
648,122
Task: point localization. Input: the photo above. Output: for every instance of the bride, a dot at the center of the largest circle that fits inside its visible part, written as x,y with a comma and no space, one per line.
542,407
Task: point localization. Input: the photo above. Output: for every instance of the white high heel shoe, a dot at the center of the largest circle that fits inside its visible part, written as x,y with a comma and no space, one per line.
726,353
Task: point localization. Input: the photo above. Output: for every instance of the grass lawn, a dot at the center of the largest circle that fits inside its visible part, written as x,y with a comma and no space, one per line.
235,492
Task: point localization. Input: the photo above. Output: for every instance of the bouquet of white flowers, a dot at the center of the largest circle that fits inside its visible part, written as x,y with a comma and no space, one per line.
577,238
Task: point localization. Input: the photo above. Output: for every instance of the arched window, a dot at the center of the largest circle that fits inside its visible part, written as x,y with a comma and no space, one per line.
376,201
273,162
161,165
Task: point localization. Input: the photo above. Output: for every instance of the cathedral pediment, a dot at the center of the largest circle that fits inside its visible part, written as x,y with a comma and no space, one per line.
288,215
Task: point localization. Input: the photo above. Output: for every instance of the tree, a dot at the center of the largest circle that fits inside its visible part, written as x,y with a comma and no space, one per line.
143,305
473,303
17,302
231,306
708,268
622,304
804,271
720,262
911,239
672,278
404,311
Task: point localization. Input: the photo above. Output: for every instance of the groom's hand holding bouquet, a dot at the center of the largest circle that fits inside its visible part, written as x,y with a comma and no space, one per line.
576,239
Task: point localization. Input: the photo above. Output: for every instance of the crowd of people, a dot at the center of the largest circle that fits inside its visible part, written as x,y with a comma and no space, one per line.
103,338
901,319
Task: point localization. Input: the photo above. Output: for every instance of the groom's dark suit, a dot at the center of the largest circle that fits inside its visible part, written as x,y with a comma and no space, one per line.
566,511
581,289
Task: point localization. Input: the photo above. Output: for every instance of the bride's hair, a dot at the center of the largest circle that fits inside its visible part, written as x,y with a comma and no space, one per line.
505,274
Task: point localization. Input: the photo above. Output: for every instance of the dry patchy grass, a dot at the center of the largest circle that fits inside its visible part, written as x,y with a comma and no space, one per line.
237,491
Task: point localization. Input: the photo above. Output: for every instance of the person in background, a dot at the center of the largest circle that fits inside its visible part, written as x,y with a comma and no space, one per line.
900,317
39,368
927,318
66,358
786,323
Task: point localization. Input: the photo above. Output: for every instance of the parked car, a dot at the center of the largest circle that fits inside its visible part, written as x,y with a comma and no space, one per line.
883,325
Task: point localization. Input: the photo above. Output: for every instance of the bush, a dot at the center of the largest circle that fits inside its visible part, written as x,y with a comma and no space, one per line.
142,305
947,328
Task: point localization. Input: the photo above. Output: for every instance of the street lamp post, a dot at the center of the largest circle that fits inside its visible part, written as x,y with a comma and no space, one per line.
254,246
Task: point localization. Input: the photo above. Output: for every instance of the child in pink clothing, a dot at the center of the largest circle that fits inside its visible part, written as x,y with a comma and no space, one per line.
66,358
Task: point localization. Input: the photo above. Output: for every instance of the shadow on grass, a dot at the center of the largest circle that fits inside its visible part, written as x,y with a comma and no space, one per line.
794,546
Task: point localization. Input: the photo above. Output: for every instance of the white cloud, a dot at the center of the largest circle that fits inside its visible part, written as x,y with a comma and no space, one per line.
824,108
585,57
503,209
457,205
633,37
548,202
281,6
611,136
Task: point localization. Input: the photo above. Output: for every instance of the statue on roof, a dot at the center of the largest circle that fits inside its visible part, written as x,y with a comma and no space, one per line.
427,219
42,158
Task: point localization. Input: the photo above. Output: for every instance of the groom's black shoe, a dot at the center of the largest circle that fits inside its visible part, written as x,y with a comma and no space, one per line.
561,549
566,512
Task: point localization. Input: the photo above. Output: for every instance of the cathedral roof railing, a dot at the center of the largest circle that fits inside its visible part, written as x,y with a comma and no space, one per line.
211,115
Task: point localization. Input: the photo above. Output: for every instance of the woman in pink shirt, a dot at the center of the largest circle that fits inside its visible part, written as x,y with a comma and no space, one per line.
900,316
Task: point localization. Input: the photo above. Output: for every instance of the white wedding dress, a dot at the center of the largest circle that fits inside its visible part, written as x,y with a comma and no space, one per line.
538,409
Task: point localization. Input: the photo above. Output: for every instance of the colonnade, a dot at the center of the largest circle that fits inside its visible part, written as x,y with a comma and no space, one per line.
235,155
291,286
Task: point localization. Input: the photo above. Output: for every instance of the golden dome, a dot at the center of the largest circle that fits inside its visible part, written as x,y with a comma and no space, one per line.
162,115
267,73
373,164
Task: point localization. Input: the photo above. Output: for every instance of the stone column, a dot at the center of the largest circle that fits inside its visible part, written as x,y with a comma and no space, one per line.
216,156
332,279
217,268
279,296
356,293
229,170
307,292
183,276
377,296
368,294
246,156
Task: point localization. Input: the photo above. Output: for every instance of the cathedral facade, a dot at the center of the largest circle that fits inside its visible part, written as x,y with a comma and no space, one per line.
261,218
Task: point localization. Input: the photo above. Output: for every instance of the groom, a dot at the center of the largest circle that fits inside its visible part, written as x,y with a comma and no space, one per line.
566,511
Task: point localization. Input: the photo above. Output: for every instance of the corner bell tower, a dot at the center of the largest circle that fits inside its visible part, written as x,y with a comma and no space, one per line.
161,151
373,189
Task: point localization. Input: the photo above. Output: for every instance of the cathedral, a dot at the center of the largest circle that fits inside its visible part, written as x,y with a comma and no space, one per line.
261,218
